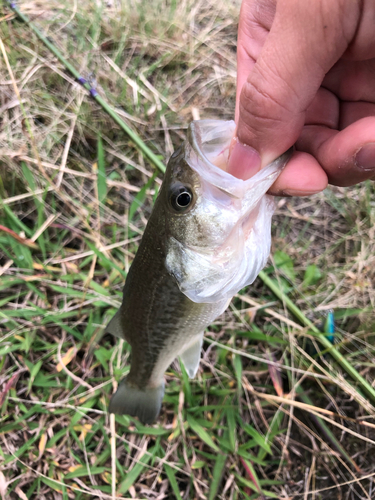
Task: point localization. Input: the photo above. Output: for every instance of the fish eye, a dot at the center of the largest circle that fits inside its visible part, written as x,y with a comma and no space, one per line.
181,198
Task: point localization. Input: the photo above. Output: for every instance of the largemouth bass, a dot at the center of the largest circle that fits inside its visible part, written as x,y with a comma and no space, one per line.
208,236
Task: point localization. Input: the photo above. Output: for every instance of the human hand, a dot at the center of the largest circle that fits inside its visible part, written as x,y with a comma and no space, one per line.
306,76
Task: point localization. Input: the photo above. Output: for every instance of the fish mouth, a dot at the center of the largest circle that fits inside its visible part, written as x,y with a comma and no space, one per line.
211,139
207,153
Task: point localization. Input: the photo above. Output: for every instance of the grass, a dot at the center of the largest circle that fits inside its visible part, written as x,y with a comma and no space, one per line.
270,414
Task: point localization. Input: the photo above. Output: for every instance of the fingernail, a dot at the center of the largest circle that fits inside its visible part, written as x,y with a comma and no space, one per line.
365,157
296,192
244,161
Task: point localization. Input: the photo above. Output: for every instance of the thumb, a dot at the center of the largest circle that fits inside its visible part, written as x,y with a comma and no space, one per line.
280,71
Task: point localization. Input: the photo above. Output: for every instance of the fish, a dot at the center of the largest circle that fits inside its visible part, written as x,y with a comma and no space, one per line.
208,236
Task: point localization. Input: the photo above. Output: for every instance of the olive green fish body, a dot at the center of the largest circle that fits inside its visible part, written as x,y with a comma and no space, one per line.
208,236
157,320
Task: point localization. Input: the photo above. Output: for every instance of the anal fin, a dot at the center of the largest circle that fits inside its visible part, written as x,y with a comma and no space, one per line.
192,356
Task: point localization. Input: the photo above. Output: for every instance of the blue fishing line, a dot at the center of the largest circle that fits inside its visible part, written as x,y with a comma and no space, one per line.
81,80
92,90
12,5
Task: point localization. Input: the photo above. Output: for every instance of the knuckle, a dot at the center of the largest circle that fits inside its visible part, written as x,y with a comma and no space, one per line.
261,106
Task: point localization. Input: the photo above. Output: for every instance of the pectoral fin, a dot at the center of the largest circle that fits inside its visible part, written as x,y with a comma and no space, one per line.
114,326
192,356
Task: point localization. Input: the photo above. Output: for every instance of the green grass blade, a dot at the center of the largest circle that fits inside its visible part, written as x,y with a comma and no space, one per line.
217,476
140,198
232,432
84,471
101,179
258,438
171,474
237,365
248,466
202,433
13,218
133,475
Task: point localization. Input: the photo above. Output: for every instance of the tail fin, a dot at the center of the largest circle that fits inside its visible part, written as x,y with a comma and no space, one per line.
142,403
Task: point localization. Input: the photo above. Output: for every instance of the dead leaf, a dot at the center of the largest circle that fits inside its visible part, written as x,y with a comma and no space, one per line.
66,359
84,430
42,443
73,468
20,493
20,239
11,382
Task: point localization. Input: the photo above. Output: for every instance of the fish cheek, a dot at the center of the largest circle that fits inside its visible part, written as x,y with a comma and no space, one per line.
187,229
210,226
177,227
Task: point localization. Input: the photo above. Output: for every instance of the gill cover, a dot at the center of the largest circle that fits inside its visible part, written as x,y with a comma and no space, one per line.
234,215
